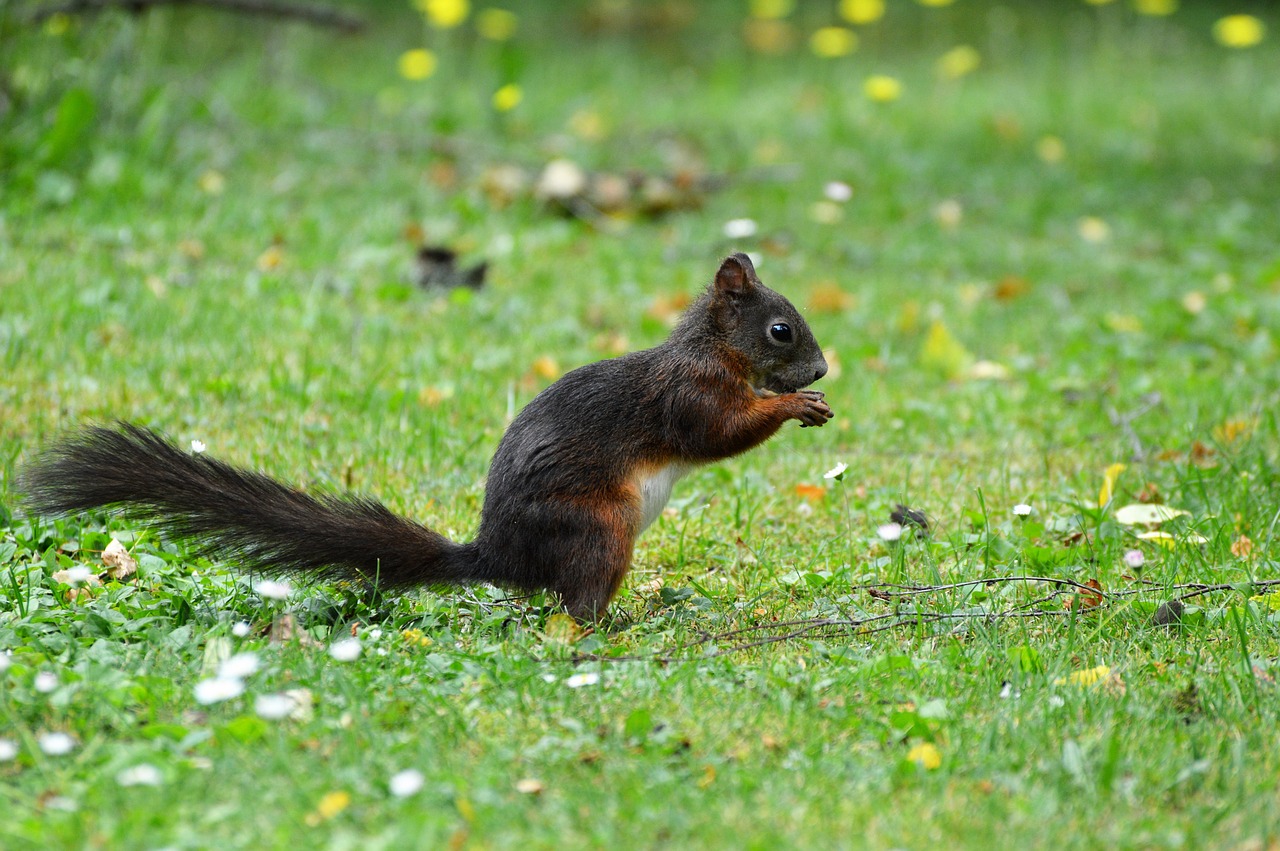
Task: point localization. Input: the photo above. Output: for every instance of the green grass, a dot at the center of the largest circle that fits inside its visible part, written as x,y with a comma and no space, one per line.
128,290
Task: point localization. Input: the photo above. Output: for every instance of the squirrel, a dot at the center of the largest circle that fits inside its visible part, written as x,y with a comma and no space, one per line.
581,471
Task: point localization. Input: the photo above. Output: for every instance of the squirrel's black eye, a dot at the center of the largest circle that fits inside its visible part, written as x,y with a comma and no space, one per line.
781,332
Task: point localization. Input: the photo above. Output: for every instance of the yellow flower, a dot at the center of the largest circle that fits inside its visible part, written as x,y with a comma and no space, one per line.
926,755
417,64
329,806
1158,8
1239,31
444,14
507,98
958,61
832,42
1051,149
862,11
1093,229
496,24
771,9
212,182
1088,677
882,89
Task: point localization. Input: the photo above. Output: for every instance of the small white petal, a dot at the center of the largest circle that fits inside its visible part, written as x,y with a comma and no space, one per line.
45,682
144,774
5,662
1134,558
836,472
374,634
345,649
740,228
198,446
239,666
406,783
273,707
548,678
889,531
8,750
1022,509
580,680
56,744
218,690
837,190
241,629
272,590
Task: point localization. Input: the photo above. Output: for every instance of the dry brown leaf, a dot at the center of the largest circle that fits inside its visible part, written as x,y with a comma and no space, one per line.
813,493
1011,287
1242,547
1085,600
829,298
120,565
285,629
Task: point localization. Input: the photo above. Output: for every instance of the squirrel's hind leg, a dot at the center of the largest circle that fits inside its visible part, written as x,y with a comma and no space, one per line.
597,560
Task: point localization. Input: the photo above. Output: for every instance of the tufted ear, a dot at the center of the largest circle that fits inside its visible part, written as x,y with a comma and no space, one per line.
736,276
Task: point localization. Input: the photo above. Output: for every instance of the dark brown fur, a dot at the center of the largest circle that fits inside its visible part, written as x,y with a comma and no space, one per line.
563,503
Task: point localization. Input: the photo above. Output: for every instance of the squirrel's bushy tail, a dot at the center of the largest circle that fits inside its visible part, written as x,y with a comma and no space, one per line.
232,512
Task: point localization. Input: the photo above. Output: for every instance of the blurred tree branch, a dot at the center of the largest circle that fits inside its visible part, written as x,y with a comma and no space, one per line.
323,16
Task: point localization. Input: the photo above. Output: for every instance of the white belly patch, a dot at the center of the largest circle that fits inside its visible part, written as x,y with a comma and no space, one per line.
655,489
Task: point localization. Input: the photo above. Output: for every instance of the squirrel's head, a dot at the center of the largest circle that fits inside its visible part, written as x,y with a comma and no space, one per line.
774,340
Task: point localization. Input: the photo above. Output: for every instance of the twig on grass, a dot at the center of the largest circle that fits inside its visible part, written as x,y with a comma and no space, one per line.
310,13
750,637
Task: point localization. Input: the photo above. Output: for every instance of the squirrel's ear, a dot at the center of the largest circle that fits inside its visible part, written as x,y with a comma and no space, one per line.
736,275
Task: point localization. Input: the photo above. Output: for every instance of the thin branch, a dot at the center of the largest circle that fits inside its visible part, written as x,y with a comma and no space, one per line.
321,16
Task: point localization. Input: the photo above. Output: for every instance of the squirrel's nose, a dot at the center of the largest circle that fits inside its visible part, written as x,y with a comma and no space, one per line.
820,371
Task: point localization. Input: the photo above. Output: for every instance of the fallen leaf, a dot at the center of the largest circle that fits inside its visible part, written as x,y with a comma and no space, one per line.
562,629
120,565
813,493
828,297
1232,430
1084,600
285,629
1010,287
1147,514
943,353
1242,547
1087,677
1109,483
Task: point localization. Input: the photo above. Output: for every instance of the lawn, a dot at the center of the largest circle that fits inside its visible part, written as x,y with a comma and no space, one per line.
1039,245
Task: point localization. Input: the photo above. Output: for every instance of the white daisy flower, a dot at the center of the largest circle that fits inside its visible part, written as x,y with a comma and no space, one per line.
836,472
406,783
345,649
56,744
217,690
272,590
239,666
1022,509
889,531
143,774
580,680
740,228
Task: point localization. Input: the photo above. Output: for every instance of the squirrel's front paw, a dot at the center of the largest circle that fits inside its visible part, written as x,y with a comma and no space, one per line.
812,409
